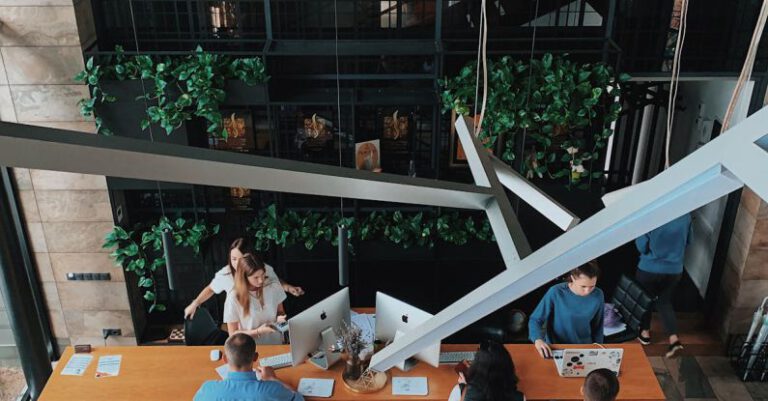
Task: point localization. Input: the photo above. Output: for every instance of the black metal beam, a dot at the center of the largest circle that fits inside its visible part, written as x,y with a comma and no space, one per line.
17,293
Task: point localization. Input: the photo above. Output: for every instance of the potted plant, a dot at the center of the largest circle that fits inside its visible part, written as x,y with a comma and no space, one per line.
351,343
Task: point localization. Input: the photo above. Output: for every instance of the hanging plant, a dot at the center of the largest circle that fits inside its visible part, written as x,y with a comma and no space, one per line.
272,228
181,87
137,251
561,109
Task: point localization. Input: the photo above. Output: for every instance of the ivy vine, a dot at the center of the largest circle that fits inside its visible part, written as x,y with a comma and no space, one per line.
180,87
284,229
562,109
140,251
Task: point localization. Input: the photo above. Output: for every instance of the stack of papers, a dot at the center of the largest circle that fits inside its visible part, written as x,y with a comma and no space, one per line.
409,386
367,323
316,387
108,366
77,364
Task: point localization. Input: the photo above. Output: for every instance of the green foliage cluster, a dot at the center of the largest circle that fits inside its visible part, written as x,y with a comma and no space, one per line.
563,109
274,228
140,251
178,87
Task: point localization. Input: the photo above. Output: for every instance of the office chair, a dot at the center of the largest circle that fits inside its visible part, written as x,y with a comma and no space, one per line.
203,330
633,303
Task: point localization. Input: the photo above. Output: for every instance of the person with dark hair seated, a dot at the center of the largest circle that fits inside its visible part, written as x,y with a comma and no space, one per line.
600,385
241,383
572,312
491,376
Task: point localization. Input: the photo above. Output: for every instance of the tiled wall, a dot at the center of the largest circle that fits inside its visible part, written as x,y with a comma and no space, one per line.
67,215
745,278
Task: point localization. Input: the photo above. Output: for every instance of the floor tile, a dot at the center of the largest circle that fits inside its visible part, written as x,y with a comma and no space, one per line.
715,366
729,389
689,378
758,390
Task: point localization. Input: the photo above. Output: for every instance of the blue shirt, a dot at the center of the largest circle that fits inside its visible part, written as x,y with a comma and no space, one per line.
569,318
662,250
244,386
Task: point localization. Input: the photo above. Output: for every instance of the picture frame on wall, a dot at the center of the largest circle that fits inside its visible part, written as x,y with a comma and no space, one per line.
458,158
395,132
315,131
240,133
368,155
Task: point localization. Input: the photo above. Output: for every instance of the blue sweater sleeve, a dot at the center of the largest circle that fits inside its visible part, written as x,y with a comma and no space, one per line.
597,322
642,243
539,317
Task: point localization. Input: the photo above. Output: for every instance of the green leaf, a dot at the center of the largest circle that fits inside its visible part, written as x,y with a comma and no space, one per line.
149,296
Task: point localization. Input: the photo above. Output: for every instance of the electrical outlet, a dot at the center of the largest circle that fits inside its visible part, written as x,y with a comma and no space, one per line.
111,332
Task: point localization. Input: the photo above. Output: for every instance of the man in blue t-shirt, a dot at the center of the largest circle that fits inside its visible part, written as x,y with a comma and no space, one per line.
662,252
241,383
572,312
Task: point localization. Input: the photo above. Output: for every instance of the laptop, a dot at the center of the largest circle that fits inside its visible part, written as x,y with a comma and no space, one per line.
578,362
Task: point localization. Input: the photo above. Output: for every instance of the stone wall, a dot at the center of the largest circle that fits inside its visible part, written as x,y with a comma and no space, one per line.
67,215
745,278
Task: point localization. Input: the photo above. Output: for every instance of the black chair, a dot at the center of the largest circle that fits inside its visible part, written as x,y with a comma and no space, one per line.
203,330
633,303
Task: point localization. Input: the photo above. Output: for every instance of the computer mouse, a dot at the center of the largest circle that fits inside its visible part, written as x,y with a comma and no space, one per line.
215,355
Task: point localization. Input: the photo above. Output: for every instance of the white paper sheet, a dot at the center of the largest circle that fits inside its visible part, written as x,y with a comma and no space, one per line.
108,366
315,387
607,331
77,364
409,386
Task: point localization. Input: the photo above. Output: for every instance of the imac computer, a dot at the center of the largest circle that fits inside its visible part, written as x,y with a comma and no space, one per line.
313,331
394,318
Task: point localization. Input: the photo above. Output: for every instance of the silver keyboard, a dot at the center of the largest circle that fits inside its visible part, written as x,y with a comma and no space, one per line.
277,361
457,356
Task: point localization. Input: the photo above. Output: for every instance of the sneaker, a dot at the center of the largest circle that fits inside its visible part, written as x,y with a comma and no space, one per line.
674,349
644,340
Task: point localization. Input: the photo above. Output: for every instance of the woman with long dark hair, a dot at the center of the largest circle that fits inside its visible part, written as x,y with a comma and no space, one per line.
224,279
256,304
491,376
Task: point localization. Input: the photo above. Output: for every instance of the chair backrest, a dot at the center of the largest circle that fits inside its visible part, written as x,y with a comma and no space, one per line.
200,329
632,302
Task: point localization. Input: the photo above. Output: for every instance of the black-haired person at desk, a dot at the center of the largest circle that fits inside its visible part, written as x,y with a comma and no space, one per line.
256,304
224,279
491,376
572,312
600,385
241,383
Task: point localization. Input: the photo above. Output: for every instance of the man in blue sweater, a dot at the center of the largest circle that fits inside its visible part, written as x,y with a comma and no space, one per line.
662,252
569,313
241,383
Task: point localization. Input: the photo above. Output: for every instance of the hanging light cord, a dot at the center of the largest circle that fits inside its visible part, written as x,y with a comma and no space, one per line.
482,43
338,94
674,80
146,102
528,90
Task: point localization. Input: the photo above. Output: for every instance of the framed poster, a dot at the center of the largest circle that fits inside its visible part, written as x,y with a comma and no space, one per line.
315,132
395,132
458,157
239,126
367,155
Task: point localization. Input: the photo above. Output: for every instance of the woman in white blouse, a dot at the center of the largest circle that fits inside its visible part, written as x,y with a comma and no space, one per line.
256,303
224,279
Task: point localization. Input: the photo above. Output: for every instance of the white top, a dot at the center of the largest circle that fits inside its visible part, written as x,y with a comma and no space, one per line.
223,280
273,296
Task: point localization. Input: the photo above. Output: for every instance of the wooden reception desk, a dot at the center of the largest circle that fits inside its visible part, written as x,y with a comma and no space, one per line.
176,372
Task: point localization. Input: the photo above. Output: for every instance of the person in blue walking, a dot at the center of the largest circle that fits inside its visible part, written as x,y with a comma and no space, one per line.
570,312
662,252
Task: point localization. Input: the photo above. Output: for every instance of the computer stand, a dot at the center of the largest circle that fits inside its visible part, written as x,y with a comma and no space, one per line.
323,358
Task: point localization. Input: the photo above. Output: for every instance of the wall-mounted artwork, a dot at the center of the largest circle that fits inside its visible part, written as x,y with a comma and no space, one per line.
241,198
239,126
316,131
367,155
396,126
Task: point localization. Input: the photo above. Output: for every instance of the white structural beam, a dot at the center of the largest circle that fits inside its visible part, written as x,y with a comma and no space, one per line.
533,196
60,150
689,184
510,237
